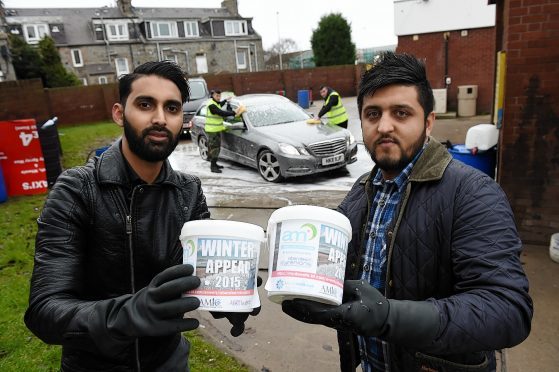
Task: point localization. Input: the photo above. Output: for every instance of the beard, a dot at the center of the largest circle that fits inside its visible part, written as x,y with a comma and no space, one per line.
145,149
390,164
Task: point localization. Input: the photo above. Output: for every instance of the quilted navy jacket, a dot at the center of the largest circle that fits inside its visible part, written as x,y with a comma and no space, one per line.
453,242
93,252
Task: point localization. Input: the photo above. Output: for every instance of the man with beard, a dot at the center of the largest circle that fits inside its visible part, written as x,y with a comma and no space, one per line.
108,281
433,279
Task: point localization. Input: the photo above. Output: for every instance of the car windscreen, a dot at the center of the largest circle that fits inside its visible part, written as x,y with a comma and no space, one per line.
271,114
197,90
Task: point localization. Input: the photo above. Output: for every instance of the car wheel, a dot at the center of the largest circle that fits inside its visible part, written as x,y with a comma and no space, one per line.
203,147
268,166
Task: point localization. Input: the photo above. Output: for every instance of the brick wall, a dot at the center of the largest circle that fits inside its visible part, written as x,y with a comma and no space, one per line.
529,152
470,61
23,99
85,104
343,79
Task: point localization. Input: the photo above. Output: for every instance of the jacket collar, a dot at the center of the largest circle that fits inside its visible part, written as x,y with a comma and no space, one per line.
111,169
429,167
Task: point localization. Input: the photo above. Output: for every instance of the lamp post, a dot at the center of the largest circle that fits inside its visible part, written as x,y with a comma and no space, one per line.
279,42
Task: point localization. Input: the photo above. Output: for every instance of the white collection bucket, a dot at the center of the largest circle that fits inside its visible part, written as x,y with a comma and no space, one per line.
225,255
554,247
308,249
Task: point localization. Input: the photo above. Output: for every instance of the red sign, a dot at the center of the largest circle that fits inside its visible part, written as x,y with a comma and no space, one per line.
22,158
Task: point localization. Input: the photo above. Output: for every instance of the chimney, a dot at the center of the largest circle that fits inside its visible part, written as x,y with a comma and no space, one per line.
231,6
125,7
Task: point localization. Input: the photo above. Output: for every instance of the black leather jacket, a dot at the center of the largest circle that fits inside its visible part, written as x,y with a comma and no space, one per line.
93,252
453,241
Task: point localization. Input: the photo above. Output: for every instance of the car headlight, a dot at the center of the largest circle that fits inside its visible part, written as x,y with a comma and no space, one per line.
350,139
288,149
303,151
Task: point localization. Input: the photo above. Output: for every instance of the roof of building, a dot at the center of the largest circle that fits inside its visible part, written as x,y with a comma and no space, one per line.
78,31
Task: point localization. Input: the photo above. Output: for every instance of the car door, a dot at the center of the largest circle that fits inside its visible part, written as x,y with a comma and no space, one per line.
238,143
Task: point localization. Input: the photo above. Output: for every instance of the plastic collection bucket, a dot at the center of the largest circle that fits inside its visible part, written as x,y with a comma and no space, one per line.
225,255
554,247
308,249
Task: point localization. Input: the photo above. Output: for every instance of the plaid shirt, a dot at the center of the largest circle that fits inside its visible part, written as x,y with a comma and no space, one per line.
374,352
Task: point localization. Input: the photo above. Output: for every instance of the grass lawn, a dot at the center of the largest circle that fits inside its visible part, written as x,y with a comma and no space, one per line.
20,350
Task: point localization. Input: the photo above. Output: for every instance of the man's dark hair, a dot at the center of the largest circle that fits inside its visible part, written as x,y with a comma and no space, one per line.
397,69
164,69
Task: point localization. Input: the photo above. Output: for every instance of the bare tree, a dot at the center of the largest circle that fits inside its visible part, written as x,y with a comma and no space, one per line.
283,46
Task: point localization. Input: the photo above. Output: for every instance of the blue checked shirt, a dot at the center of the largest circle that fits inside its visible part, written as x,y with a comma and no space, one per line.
374,352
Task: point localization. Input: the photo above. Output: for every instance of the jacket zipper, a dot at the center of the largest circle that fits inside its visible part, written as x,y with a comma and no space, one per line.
132,281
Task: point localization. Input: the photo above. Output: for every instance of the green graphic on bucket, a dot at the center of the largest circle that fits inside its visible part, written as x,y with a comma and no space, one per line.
308,261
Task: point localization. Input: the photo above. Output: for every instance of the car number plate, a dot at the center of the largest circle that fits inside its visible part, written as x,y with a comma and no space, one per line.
333,159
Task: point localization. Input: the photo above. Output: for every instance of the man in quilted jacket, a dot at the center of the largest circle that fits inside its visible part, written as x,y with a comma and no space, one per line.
108,281
433,279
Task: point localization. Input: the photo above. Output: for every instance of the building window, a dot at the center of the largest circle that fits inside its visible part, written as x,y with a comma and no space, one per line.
102,80
161,30
121,66
241,59
170,57
34,33
234,28
77,59
191,29
117,31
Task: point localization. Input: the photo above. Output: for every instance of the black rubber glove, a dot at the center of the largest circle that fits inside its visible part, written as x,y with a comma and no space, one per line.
159,308
367,312
238,320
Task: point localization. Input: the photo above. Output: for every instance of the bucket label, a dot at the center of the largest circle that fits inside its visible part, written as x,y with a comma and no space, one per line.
309,259
227,269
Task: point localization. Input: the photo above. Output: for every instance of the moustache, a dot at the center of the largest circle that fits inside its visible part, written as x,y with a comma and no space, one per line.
157,128
387,138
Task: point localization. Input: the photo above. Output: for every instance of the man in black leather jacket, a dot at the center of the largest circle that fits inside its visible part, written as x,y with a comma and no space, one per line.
433,279
108,281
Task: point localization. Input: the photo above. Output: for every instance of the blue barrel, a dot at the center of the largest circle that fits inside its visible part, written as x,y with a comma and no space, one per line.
3,191
483,160
303,98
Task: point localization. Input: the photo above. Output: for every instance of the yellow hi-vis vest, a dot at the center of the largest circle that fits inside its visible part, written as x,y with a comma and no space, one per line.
214,123
337,114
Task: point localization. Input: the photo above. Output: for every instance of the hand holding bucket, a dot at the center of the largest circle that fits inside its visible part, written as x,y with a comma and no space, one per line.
225,255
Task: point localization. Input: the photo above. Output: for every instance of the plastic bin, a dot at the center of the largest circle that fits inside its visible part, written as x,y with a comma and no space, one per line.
3,190
467,97
303,98
50,145
485,161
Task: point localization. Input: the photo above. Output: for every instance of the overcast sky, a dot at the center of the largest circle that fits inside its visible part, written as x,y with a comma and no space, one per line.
372,22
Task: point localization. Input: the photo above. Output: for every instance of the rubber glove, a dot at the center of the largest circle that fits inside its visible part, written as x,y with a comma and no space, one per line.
159,308
367,312
238,320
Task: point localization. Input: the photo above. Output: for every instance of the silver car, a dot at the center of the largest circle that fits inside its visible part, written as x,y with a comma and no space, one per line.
198,94
274,137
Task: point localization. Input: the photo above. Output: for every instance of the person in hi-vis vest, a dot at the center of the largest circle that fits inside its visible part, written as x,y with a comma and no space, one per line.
333,107
214,126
